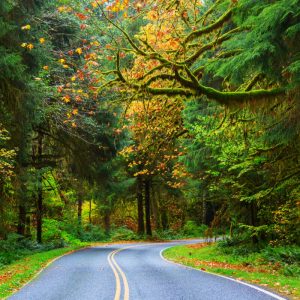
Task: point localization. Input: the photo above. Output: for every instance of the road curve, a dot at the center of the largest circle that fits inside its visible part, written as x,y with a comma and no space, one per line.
135,272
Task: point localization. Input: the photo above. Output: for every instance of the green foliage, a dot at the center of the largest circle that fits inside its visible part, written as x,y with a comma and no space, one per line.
16,247
56,236
168,234
288,255
253,266
31,265
191,229
93,233
240,163
237,164
123,233
269,46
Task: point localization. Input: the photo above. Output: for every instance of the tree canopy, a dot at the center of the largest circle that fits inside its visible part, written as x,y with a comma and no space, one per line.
146,115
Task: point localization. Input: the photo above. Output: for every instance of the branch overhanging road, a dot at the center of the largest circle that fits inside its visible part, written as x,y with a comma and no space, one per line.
132,272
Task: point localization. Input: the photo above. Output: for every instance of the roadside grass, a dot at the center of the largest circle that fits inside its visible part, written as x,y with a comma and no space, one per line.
15,275
252,268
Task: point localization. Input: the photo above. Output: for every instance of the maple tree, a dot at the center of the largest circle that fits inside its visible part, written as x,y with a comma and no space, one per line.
152,153
179,44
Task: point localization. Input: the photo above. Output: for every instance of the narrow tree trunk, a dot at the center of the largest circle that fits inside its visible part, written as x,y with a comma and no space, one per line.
147,207
79,209
39,213
22,199
154,207
28,227
204,207
164,219
106,220
21,220
139,196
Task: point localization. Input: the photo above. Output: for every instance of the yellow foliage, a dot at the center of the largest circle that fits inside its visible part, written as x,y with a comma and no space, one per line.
79,51
26,27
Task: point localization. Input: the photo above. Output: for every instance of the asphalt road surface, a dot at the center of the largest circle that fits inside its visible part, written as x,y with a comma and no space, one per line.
135,272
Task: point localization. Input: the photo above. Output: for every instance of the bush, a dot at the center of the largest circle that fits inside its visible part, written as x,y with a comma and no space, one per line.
123,233
237,246
230,242
8,248
16,247
291,270
168,234
55,237
287,255
51,231
191,229
93,233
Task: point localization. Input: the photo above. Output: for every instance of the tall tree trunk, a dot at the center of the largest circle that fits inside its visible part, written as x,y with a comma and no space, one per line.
106,220
79,215
28,227
147,207
39,212
164,219
154,207
22,199
79,209
204,207
139,196
21,219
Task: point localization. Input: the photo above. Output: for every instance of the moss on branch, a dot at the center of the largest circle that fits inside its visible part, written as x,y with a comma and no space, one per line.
217,24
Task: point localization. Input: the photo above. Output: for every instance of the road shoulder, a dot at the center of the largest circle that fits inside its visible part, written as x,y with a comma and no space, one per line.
196,257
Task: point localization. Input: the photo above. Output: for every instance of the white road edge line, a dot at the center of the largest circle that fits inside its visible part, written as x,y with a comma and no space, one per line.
45,267
232,279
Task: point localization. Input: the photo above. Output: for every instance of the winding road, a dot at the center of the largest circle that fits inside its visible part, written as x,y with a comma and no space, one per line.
135,272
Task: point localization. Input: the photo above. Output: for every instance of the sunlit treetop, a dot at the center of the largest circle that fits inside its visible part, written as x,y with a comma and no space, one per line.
178,47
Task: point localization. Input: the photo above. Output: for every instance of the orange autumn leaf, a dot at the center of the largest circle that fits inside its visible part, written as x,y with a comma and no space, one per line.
66,99
81,16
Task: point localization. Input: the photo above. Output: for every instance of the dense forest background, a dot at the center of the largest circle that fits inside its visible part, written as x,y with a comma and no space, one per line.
125,119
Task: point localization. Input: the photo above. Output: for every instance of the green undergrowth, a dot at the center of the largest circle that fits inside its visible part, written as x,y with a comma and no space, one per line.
277,268
15,275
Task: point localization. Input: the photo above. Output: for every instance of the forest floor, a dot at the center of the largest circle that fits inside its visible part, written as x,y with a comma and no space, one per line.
252,268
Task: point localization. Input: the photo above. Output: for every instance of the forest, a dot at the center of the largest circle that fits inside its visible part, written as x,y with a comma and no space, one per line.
163,119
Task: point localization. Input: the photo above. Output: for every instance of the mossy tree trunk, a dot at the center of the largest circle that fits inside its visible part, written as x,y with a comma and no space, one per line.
147,207
140,206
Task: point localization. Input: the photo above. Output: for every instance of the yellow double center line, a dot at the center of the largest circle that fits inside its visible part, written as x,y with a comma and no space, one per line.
116,270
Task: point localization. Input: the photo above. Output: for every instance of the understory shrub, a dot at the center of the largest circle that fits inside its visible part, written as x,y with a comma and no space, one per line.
191,229
123,233
92,233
